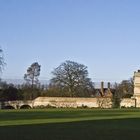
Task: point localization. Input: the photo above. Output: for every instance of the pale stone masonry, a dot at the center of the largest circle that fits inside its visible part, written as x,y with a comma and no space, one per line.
128,102
136,95
68,102
63,102
137,84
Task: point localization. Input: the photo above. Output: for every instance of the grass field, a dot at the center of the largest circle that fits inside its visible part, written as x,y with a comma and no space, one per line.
70,124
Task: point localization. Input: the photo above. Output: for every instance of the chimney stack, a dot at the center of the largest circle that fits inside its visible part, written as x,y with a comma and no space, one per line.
108,85
102,88
109,89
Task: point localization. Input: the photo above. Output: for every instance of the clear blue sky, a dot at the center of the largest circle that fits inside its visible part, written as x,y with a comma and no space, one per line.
101,34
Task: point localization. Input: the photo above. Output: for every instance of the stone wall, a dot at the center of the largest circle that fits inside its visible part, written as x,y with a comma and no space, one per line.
128,102
73,102
137,100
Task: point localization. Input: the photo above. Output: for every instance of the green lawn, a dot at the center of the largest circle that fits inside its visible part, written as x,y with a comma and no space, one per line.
70,124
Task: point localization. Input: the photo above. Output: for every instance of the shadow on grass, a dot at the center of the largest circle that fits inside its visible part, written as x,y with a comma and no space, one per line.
117,129
58,114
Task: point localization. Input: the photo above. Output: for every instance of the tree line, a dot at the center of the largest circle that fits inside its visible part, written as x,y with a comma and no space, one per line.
69,79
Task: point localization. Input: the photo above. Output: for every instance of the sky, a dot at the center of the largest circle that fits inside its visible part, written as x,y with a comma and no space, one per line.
104,35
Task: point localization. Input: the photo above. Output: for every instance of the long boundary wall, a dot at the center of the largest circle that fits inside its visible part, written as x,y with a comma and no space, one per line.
73,102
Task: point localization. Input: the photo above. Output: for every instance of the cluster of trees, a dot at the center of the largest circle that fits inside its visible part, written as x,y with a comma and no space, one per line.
70,79
125,89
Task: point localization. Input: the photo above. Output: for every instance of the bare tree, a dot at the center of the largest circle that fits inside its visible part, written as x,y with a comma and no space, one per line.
72,77
125,88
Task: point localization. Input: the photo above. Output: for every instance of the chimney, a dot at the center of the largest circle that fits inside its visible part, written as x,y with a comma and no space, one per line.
102,88
108,85
109,90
